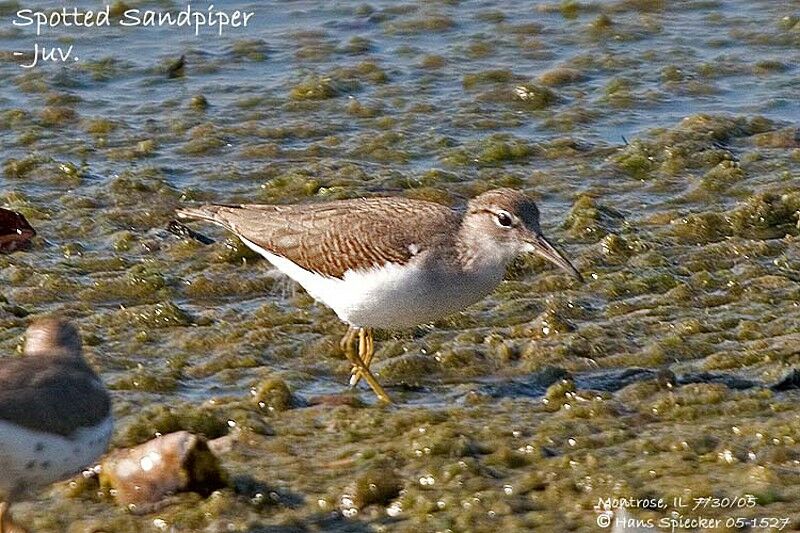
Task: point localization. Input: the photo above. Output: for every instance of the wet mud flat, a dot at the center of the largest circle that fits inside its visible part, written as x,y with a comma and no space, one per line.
669,374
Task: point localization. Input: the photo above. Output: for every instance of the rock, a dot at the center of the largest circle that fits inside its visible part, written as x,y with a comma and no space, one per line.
176,462
15,232
788,382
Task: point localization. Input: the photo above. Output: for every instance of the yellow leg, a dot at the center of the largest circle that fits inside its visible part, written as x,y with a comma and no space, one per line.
368,350
346,344
370,347
356,359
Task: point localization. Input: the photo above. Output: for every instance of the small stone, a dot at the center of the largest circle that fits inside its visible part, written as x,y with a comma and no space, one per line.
178,462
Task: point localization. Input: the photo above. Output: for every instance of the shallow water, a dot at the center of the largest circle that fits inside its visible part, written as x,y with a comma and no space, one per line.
661,141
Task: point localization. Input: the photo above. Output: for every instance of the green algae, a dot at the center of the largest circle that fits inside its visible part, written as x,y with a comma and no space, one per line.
104,69
535,97
99,126
141,149
203,139
722,176
378,486
357,109
198,102
434,23
365,72
315,88
779,138
273,395
697,145
139,284
57,116
20,168
561,76
219,286
160,315
492,151
147,381
479,49
163,420
590,220
250,49
433,61
767,215
359,46
486,77
601,24
382,148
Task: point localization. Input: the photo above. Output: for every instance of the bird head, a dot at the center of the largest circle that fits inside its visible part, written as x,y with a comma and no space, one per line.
510,220
52,337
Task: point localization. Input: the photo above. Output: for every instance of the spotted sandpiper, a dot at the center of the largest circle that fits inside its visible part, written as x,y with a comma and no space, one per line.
390,262
55,413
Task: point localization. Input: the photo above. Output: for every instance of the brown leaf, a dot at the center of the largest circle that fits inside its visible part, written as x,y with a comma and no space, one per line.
15,232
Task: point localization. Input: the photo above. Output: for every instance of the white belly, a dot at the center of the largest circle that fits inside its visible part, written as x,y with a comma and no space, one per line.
391,296
31,459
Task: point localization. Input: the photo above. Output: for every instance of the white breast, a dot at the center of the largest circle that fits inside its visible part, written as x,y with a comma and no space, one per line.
32,459
391,296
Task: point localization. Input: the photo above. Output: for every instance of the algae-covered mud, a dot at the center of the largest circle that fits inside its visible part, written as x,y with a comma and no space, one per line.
660,140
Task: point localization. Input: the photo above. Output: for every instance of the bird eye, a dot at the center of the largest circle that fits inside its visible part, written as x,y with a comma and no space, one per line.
504,219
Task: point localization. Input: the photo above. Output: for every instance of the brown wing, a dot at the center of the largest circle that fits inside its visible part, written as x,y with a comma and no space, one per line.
57,396
334,237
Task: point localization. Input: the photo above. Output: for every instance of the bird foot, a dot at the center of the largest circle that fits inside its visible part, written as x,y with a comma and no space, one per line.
361,360
366,350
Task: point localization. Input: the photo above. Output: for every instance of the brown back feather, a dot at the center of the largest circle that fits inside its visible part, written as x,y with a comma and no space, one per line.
56,395
333,237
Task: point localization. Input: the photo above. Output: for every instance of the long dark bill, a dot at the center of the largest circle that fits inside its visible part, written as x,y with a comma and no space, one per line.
543,247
